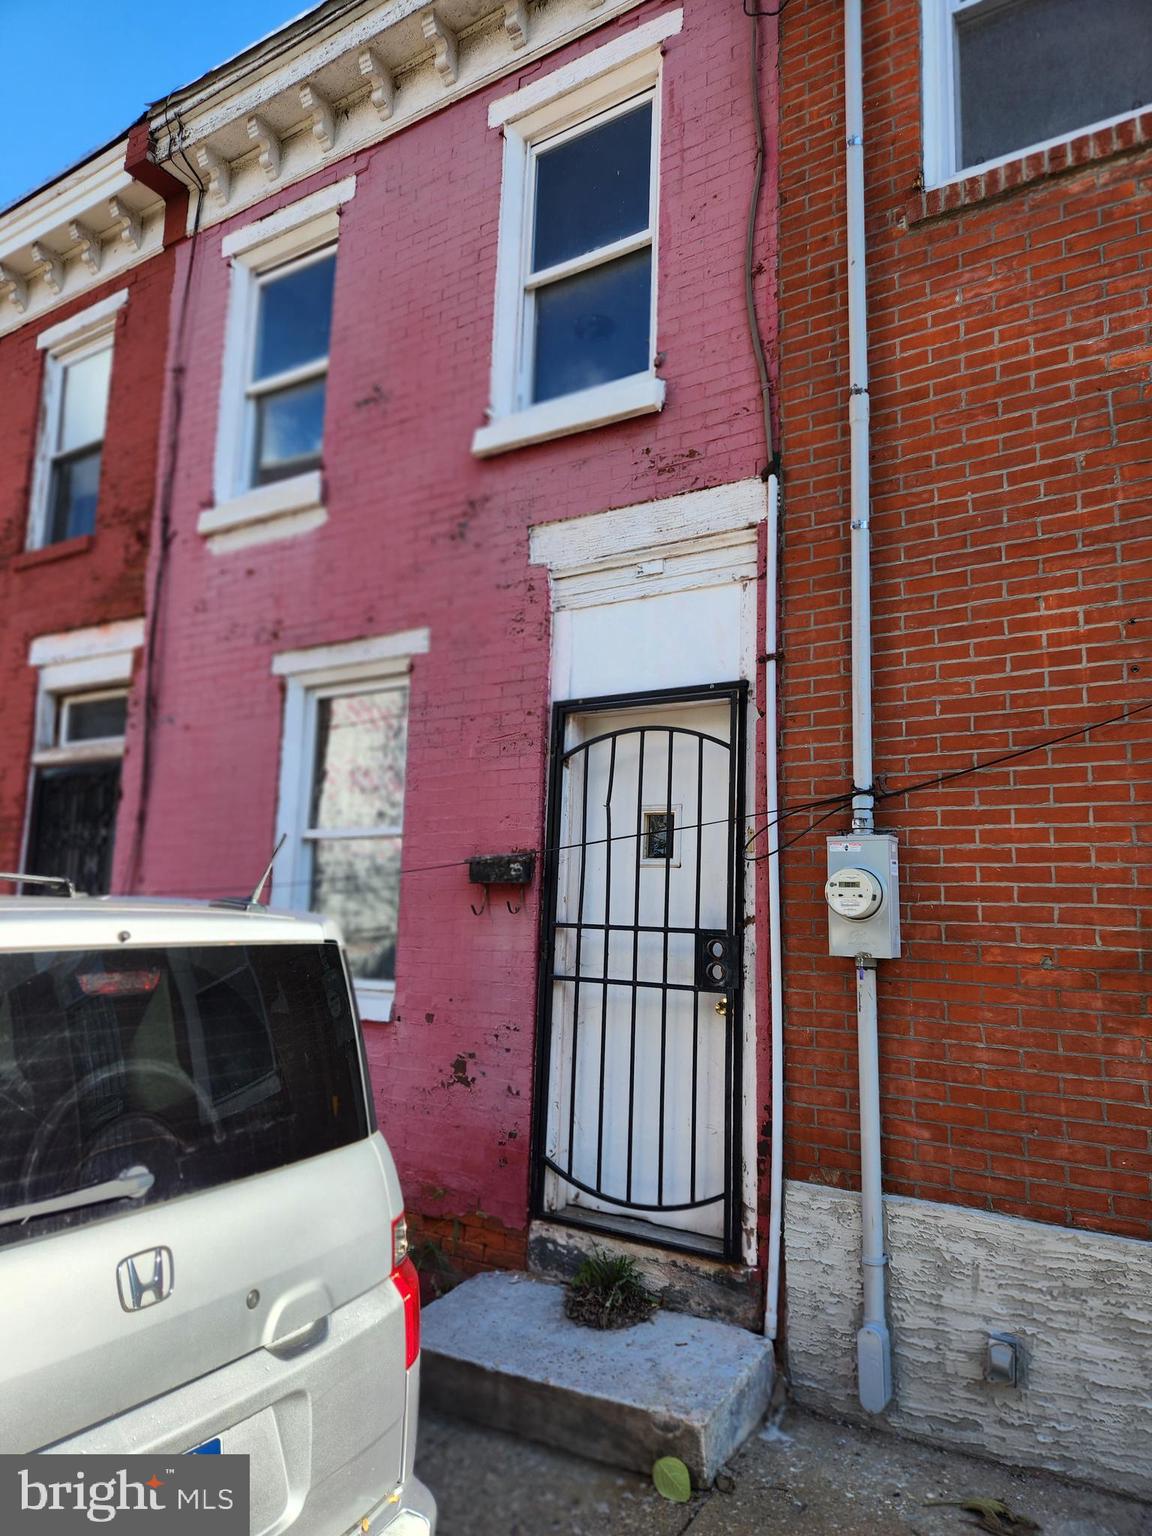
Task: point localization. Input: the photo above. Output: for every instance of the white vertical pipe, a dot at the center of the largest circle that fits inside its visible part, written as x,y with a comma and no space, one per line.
775,944
873,1342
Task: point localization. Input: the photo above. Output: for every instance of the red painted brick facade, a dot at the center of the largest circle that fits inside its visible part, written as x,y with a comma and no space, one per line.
421,533
1012,459
88,581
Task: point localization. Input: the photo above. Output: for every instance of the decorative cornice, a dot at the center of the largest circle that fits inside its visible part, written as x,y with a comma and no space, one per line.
516,22
329,85
382,87
445,53
84,228
268,144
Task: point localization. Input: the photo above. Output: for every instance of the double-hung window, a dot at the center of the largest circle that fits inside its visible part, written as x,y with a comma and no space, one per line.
588,284
1004,77
74,407
292,319
342,785
574,336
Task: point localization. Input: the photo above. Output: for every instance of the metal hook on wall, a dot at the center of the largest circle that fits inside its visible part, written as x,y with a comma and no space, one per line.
483,907
513,909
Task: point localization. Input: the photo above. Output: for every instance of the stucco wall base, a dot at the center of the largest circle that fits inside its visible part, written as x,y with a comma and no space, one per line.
1080,1302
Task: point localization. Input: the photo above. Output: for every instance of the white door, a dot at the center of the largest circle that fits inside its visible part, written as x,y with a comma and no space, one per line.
641,1008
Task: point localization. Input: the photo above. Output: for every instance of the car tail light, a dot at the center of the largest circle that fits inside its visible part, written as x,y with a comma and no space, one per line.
407,1282
399,1240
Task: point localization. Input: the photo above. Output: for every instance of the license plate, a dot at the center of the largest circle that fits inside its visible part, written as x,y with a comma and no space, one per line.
209,1448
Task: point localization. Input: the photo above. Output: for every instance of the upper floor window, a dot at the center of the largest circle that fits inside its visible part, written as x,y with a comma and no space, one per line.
74,406
288,368
574,338
588,287
1003,77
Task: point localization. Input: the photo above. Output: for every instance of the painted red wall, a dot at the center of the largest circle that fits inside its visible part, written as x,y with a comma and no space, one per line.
1012,445
97,579
420,533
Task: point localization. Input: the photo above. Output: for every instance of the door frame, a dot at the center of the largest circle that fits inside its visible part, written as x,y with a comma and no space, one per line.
737,692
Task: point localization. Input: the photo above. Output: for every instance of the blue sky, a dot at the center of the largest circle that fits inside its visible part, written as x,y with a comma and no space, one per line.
81,70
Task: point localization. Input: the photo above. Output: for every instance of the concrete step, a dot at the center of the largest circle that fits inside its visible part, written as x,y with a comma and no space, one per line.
499,1350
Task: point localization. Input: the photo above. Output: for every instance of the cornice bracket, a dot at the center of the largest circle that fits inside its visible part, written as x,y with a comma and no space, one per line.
443,40
379,77
49,266
89,243
217,170
269,144
319,108
16,289
127,223
516,22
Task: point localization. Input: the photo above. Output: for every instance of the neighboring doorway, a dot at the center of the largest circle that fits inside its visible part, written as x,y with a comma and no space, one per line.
640,1004
76,790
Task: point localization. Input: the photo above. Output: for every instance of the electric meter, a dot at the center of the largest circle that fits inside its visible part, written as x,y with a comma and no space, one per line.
854,893
863,895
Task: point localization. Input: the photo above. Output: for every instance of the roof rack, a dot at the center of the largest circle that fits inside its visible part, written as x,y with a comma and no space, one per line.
39,880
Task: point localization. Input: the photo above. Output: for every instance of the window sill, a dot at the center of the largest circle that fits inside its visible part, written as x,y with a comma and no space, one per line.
1072,154
61,551
276,511
374,1005
579,412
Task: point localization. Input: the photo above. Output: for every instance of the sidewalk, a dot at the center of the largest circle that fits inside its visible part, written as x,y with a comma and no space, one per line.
812,1477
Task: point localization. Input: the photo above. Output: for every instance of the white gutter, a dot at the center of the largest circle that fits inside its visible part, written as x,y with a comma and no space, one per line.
775,943
873,1342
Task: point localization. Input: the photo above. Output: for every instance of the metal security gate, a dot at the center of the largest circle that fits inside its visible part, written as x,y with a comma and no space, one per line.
638,1091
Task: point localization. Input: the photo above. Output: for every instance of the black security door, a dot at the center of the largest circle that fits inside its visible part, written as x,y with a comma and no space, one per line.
641,1033
74,824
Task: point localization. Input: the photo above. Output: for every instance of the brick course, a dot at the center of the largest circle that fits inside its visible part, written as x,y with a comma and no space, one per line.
1011,459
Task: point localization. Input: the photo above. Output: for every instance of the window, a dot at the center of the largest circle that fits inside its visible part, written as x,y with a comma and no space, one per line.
289,367
574,338
342,786
352,834
275,373
1003,77
588,288
66,485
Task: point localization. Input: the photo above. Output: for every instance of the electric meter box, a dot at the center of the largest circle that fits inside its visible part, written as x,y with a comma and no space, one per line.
863,895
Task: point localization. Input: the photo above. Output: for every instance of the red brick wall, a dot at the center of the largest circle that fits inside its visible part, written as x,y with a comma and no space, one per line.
1012,450
420,533
86,581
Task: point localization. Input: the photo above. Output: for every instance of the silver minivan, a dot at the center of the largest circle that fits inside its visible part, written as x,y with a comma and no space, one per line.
202,1238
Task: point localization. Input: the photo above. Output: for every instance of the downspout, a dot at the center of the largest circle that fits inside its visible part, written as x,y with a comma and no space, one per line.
873,1342
771,476
775,939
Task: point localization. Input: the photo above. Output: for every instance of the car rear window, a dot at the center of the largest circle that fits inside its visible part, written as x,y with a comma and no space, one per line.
199,1064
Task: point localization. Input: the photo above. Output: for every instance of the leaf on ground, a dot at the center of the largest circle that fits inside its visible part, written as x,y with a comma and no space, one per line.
991,1515
672,1480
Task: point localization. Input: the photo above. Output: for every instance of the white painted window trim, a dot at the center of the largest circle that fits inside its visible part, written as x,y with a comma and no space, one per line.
79,661
940,89
608,78
311,675
296,233
82,335
96,319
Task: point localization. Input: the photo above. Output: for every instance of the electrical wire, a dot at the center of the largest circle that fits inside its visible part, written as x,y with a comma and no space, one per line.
829,805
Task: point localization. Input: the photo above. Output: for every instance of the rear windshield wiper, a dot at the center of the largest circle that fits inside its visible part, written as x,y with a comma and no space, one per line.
132,1184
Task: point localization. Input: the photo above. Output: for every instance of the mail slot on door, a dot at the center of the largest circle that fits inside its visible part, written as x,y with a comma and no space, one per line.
716,961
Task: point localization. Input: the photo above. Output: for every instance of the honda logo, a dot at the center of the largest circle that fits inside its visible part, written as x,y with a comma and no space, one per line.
144,1278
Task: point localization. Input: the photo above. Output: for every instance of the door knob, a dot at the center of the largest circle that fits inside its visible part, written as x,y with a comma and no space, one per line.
721,1007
